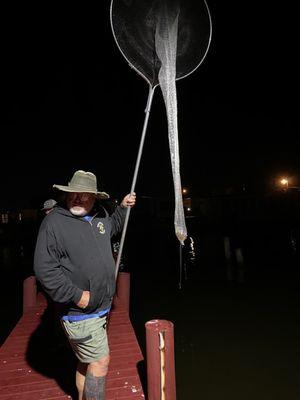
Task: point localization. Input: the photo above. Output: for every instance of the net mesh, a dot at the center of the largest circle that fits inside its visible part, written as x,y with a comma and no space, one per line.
134,27
166,49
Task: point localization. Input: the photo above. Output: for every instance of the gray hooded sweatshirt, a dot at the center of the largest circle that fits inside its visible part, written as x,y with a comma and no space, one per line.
73,255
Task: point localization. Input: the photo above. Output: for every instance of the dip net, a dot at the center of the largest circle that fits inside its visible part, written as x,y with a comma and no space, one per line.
163,41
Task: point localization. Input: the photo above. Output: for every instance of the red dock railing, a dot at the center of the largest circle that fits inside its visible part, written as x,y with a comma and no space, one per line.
36,364
31,370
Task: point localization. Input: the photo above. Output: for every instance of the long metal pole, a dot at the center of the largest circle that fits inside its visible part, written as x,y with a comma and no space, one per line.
138,160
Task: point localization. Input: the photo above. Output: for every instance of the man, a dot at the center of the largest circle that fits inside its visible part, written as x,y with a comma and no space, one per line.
74,263
48,206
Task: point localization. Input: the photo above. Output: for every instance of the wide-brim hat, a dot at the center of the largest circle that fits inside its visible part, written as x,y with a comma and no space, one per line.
83,182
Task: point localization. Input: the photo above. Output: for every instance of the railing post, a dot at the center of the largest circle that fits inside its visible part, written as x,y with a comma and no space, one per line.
123,289
29,293
228,258
160,360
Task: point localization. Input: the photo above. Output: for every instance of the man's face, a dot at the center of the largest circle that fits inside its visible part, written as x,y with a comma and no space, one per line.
80,204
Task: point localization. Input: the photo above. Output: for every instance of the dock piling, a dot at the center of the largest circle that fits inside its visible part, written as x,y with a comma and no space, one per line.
29,293
160,360
123,289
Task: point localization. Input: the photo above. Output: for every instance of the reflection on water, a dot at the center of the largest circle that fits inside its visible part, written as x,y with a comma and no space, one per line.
6,256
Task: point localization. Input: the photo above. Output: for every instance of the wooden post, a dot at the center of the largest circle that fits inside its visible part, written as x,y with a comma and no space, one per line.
228,255
240,265
160,360
123,289
29,293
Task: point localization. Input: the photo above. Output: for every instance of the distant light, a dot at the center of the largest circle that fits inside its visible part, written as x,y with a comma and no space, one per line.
284,181
184,190
189,209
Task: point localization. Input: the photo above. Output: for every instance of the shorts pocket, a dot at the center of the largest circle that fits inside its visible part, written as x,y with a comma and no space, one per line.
76,331
81,340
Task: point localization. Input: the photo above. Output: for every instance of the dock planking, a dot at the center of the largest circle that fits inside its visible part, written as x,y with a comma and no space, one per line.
32,369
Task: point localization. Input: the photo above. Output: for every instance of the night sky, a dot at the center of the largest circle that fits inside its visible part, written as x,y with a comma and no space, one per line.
70,101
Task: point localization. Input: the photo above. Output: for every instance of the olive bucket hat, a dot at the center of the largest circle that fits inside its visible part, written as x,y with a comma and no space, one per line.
83,182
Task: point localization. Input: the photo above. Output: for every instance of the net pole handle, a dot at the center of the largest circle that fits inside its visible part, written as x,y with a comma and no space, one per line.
137,164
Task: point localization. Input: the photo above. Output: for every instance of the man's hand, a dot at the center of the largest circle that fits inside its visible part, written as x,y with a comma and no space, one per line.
129,200
85,298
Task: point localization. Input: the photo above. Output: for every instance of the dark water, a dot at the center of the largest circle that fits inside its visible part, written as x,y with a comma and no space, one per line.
236,335
234,339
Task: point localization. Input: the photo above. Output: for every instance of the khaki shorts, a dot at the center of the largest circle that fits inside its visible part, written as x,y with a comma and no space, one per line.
88,338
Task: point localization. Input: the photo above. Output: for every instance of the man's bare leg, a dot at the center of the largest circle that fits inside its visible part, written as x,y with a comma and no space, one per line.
94,384
80,378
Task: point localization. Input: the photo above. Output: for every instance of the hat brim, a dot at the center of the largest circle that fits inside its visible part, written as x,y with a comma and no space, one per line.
70,189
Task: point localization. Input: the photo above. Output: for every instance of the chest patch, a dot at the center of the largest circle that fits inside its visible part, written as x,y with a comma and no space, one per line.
101,228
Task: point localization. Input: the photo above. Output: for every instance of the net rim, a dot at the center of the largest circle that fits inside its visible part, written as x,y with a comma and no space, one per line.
139,72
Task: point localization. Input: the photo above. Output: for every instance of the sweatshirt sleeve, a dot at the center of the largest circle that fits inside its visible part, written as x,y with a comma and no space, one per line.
117,220
48,270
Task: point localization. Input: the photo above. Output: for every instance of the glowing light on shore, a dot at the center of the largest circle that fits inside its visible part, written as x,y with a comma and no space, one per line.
284,182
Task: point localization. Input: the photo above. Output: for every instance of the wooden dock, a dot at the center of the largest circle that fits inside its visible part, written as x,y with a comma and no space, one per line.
32,367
